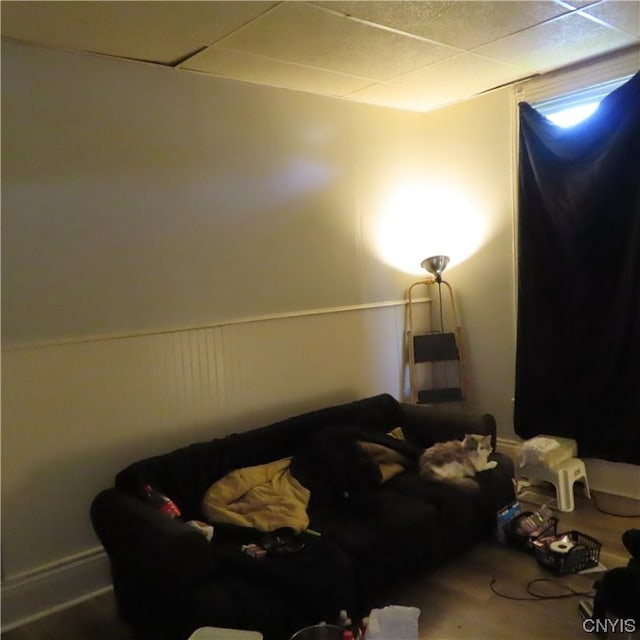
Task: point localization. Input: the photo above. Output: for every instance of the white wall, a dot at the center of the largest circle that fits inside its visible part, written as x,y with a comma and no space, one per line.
469,148
140,197
183,256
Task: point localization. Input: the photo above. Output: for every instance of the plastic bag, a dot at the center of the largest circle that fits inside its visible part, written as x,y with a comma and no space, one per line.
394,622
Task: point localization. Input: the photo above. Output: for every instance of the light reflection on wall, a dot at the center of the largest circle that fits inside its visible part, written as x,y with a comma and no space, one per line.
418,220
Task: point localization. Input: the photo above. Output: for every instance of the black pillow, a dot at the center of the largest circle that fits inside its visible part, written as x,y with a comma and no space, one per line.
334,468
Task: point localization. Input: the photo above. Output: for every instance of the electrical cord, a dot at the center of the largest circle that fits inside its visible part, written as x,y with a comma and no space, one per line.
533,596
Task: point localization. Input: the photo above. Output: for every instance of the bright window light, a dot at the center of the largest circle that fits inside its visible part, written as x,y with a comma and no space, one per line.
570,109
573,115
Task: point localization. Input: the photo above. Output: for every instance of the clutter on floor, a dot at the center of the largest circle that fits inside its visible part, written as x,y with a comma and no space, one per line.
537,532
393,622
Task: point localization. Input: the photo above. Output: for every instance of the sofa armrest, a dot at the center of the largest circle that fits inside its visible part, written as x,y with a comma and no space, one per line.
148,549
426,425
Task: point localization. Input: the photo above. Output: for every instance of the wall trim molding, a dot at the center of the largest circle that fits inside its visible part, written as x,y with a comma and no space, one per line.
267,317
40,592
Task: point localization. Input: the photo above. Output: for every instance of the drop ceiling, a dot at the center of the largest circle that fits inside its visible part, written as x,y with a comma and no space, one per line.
407,55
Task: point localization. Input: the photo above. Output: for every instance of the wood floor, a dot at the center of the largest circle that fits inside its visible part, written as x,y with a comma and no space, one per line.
456,602
94,619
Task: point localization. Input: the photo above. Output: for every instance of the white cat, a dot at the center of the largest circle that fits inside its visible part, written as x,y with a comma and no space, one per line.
456,462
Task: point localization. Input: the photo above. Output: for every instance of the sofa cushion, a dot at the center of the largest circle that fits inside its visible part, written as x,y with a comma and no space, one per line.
463,516
243,604
339,462
334,467
457,512
386,535
315,582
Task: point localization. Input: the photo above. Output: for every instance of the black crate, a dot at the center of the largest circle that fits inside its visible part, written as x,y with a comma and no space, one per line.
584,555
525,541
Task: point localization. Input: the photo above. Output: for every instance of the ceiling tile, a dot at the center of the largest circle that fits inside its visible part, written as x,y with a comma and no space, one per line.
200,22
306,34
41,22
252,68
557,43
155,31
461,77
396,97
462,24
415,58
623,15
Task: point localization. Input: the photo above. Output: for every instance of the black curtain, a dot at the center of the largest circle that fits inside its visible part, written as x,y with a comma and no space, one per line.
578,335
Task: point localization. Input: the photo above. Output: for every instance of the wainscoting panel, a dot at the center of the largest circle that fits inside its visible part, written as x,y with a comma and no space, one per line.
75,413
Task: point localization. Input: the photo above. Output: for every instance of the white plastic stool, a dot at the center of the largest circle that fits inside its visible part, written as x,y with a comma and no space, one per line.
562,476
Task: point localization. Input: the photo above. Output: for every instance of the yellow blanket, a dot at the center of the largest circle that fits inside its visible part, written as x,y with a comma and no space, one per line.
265,497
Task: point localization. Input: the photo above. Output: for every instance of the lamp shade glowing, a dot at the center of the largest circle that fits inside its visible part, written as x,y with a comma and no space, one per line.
435,265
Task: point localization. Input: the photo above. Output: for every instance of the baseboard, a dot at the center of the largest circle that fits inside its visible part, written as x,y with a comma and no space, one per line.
41,592
612,478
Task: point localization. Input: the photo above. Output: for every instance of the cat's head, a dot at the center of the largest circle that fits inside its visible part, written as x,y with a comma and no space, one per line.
477,442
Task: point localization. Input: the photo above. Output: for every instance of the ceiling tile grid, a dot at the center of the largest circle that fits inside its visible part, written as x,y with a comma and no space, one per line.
464,24
461,76
258,69
305,34
625,15
404,54
570,38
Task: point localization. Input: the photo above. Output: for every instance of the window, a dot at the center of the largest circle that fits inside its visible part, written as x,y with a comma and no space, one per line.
572,108
578,87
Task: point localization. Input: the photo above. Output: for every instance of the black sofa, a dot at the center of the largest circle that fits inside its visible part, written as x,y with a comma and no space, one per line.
168,580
